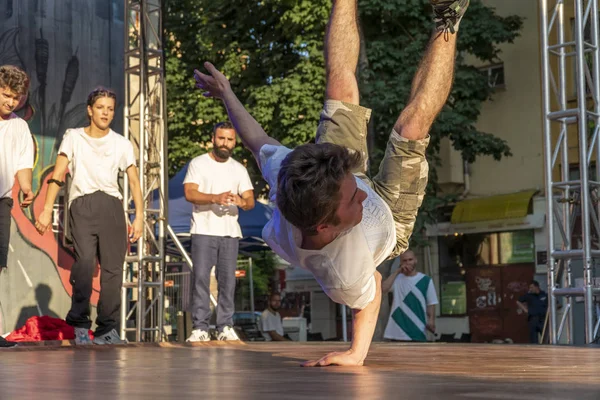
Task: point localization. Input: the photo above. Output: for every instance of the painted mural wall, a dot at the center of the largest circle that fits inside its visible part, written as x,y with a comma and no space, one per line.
67,47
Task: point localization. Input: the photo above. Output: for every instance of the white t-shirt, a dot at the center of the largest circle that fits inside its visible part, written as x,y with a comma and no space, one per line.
270,322
344,268
213,177
408,316
16,145
95,162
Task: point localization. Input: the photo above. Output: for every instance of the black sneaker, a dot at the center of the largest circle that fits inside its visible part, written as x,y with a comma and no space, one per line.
448,13
6,343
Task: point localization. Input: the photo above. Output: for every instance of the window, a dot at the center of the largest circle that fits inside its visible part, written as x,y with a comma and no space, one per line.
516,247
574,174
453,293
495,75
459,252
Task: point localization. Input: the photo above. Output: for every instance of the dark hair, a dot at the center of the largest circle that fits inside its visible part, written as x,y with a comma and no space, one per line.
535,283
274,294
99,92
14,78
222,125
309,181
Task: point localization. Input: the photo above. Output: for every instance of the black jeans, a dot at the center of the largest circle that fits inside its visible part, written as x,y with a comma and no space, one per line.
99,231
536,326
5,208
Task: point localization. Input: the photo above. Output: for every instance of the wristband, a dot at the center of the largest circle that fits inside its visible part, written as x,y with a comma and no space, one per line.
59,183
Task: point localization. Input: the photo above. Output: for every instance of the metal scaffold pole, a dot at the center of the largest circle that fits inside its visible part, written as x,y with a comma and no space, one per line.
570,48
145,101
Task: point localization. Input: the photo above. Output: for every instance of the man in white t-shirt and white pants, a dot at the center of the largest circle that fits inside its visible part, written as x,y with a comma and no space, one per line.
16,151
216,185
413,308
331,219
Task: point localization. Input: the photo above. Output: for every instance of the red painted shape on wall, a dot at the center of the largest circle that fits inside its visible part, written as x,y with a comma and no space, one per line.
49,243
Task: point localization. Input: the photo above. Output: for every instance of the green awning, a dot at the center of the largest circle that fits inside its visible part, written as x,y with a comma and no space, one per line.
512,205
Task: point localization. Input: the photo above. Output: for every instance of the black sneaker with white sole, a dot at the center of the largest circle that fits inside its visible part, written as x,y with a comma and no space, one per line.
6,343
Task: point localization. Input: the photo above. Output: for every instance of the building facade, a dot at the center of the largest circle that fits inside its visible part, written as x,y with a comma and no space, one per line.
495,241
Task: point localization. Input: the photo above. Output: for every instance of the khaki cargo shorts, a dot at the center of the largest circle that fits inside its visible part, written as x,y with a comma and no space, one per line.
403,172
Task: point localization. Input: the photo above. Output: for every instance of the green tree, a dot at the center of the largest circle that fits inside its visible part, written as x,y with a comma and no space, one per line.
272,51
395,34
263,269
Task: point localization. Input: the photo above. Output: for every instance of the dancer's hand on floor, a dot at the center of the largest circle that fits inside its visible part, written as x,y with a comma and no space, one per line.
341,358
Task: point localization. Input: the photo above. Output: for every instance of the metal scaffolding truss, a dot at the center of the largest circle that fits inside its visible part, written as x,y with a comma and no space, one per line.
144,111
571,104
142,294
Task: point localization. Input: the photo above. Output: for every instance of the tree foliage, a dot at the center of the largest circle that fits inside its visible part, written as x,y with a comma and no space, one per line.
395,35
262,277
272,51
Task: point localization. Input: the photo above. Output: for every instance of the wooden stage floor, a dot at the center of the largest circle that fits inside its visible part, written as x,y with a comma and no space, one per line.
271,371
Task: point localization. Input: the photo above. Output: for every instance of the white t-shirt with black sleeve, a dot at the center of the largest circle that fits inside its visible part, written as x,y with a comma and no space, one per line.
344,268
95,163
16,147
214,177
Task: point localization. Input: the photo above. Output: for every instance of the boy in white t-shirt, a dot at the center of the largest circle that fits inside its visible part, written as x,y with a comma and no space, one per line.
16,155
330,218
95,155
16,151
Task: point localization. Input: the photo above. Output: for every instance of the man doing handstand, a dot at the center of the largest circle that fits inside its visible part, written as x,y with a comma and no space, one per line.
330,218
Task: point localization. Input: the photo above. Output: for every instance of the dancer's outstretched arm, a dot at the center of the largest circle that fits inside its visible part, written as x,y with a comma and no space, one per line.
216,85
363,327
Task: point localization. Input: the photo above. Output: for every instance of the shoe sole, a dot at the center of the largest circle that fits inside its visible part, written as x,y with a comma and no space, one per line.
103,343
